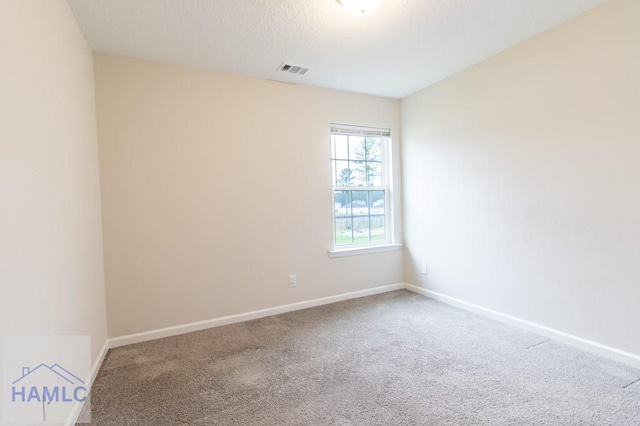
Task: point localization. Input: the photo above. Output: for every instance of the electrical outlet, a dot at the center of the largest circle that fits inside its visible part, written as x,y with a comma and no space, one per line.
424,269
293,281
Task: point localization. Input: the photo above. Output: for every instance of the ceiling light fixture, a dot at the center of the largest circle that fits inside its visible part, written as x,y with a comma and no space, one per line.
360,7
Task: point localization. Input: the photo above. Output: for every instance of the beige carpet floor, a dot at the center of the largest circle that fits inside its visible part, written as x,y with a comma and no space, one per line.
392,359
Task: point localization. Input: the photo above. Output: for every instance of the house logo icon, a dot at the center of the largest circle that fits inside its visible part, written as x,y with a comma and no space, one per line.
43,379
47,384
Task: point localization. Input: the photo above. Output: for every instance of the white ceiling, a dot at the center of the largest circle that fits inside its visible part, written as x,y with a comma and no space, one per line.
402,47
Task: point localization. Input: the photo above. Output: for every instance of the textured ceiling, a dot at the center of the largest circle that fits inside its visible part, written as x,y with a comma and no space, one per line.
402,47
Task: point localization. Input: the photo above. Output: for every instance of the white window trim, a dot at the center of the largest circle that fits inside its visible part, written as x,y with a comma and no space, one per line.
377,247
356,251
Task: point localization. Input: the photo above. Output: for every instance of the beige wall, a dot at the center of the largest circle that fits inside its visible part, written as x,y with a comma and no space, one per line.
51,260
522,180
216,188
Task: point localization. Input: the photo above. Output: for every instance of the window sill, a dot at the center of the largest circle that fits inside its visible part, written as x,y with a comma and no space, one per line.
356,251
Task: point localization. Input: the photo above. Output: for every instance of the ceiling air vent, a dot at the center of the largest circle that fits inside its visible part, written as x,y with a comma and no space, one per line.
293,68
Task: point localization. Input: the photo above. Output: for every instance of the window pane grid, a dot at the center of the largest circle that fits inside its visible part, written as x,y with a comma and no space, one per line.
359,217
360,191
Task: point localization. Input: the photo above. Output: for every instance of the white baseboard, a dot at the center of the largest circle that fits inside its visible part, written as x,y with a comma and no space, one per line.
231,319
579,342
77,406
627,358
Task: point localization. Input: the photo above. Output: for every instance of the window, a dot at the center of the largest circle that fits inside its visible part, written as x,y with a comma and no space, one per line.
361,194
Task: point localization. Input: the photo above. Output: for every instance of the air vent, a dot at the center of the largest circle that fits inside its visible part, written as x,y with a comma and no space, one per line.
293,68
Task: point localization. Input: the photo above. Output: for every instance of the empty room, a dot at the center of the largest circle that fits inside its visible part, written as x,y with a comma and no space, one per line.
320,212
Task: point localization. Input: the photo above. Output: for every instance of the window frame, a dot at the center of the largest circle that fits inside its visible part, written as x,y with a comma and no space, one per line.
384,134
